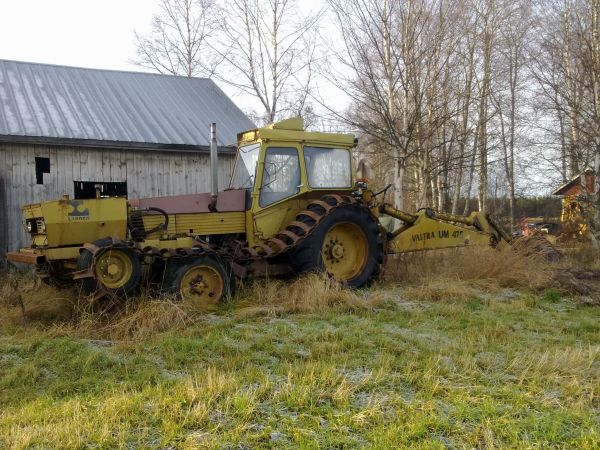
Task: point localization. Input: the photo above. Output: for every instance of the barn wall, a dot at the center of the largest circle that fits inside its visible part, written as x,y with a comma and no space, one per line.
147,173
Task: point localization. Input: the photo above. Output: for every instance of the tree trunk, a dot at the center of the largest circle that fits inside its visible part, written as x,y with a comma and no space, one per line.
574,97
483,114
595,13
471,176
464,134
399,184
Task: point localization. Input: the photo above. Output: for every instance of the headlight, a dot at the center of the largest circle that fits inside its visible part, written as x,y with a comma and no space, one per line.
35,226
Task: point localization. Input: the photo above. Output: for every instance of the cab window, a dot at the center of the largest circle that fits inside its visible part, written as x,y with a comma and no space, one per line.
328,167
281,175
244,170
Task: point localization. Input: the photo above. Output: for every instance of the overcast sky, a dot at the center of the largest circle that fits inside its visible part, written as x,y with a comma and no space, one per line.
87,33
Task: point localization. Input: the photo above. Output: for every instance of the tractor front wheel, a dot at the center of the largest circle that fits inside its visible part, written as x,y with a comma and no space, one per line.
115,269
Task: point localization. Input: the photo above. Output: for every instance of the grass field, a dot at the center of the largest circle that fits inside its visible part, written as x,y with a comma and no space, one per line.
446,360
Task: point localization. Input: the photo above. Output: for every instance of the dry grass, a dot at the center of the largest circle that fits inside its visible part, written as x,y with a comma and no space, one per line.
582,256
465,272
312,293
502,267
141,319
67,313
64,312
23,298
463,368
445,275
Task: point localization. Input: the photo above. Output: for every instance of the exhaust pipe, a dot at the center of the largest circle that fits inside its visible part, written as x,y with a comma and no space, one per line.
214,168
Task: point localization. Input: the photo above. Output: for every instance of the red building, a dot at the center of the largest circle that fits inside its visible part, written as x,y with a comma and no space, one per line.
577,204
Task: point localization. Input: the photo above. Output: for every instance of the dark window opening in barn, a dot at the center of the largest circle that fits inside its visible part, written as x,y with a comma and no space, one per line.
87,189
42,166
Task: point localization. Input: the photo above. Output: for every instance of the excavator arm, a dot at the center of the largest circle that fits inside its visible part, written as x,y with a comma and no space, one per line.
429,230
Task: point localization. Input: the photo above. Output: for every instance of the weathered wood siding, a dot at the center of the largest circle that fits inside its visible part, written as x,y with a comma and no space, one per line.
147,173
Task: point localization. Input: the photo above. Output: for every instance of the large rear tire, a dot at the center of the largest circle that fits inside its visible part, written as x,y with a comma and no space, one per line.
115,269
346,244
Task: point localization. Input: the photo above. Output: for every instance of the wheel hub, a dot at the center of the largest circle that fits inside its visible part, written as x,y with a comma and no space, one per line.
113,269
345,251
337,251
202,285
198,285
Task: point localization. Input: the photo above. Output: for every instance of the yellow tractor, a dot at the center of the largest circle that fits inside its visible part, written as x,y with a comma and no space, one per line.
295,203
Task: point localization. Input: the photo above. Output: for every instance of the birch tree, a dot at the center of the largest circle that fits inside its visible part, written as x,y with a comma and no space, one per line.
467,66
390,61
179,41
486,14
593,60
269,50
512,49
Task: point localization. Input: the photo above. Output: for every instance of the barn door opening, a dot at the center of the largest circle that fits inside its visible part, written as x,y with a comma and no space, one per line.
87,189
42,166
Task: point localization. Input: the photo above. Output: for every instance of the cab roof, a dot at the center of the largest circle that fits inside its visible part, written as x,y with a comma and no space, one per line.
293,130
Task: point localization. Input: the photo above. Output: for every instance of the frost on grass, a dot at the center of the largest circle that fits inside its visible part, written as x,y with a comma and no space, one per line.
509,374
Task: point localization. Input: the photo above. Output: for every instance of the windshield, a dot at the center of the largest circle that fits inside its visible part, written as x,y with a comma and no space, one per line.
244,172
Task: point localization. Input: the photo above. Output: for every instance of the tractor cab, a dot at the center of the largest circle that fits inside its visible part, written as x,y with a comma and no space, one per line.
284,158
244,171
283,167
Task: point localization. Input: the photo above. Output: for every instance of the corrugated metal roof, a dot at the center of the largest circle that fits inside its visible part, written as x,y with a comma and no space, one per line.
47,103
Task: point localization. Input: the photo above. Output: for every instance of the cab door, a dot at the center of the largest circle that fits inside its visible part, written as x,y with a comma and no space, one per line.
281,183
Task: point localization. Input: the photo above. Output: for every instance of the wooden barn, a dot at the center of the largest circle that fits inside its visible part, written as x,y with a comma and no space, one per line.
64,130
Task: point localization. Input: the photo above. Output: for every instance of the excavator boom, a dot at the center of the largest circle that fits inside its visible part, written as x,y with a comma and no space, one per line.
430,230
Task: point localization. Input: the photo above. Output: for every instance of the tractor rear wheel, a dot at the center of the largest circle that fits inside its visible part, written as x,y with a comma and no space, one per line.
346,244
115,269
204,282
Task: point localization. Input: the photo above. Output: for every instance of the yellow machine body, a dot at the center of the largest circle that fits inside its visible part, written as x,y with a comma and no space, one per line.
65,222
201,224
264,222
431,230
69,223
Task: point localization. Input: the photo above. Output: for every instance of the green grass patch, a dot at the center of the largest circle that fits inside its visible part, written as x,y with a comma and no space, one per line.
467,371
552,295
